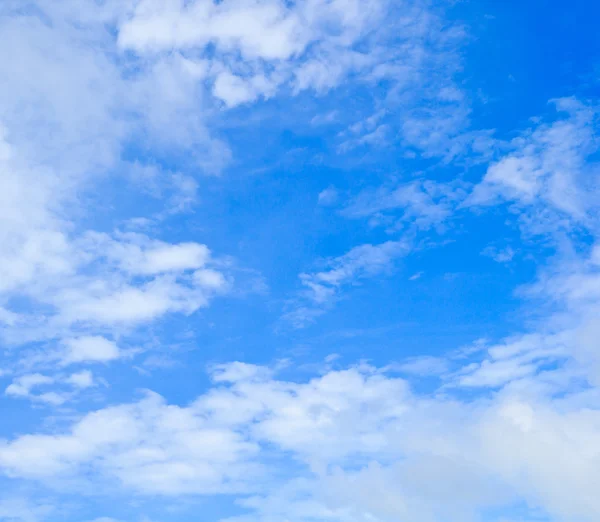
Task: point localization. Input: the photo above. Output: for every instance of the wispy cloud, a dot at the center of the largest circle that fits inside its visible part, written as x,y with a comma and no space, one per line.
548,163
322,288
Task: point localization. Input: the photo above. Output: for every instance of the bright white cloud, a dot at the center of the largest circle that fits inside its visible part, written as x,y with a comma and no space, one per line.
25,386
357,436
548,163
139,255
149,446
83,379
83,82
82,109
90,349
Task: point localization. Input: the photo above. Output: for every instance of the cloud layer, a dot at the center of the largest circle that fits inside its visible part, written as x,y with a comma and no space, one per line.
192,196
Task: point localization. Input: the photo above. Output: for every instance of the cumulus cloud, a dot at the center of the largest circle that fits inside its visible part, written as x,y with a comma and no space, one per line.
23,385
137,254
548,163
305,45
90,349
356,435
86,86
83,379
83,109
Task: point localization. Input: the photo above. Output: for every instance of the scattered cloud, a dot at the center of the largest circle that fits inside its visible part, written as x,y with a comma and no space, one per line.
504,255
419,204
328,196
347,430
548,163
360,263
118,117
82,379
422,366
23,386
90,349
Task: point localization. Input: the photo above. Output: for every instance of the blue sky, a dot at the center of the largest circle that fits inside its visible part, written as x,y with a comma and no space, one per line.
313,261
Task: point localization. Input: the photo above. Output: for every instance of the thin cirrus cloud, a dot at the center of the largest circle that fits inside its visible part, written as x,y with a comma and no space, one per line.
321,289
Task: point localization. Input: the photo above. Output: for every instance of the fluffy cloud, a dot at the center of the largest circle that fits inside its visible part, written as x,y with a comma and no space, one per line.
83,379
358,437
82,110
548,163
509,425
56,389
23,386
150,446
305,45
90,349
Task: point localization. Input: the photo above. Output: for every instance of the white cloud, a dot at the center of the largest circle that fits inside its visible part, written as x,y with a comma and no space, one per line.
238,371
210,279
83,107
22,386
308,44
126,304
360,263
234,90
548,163
328,196
267,30
82,379
8,318
119,280
515,358
504,255
28,386
422,365
365,447
184,453
90,349
422,204
360,445
259,48
137,254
